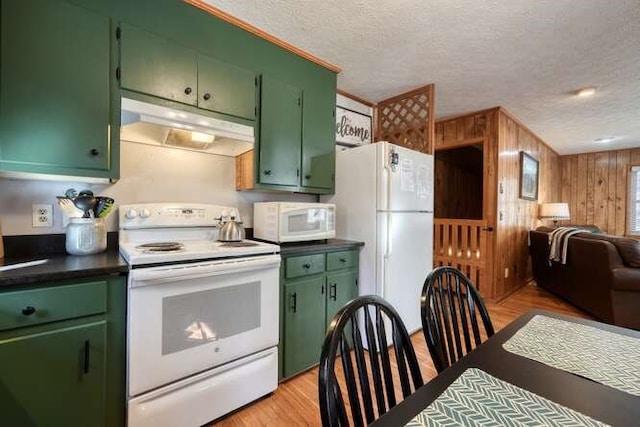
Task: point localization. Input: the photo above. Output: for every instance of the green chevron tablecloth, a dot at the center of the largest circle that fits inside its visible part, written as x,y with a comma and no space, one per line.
478,399
601,356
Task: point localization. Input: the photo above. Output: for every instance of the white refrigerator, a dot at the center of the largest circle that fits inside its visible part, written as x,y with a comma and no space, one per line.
384,197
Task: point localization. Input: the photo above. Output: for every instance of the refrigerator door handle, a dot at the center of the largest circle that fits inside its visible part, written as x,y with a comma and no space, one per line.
387,253
386,186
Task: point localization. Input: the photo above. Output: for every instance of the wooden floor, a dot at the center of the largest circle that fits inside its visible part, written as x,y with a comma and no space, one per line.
295,402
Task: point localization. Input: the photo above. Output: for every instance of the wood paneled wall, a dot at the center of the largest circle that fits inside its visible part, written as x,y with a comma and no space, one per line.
511,217
595,185
477,128
517,216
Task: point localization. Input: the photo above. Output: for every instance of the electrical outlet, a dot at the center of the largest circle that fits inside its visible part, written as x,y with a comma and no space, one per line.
42,215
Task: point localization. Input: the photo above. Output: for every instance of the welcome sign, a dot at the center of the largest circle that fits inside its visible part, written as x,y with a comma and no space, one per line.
352,128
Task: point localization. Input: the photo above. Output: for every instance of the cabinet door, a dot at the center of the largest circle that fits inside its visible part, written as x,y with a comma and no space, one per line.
280,133
156,66
54,378
318,139
303,324
342,287
226,88
54,87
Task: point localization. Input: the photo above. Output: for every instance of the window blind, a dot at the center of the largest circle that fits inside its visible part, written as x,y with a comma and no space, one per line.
634,201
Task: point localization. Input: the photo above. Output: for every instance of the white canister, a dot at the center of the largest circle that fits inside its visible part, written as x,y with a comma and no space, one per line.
86,236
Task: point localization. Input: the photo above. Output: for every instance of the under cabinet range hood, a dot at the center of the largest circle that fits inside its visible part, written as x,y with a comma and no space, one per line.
154,124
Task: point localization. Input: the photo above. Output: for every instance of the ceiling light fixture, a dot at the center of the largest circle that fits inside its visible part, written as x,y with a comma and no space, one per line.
605,139
585,91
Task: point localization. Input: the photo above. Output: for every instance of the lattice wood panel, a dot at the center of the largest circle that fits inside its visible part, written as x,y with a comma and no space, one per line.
408,119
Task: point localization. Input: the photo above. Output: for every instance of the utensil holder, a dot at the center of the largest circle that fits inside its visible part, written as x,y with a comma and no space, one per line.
86,236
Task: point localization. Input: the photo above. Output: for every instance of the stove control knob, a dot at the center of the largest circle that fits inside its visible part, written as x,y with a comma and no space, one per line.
131,214
145,213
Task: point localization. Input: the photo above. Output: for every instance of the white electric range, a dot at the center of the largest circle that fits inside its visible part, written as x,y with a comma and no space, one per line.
202,317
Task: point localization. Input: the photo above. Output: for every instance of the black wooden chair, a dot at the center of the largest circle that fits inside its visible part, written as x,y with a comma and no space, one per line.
361,335
450,307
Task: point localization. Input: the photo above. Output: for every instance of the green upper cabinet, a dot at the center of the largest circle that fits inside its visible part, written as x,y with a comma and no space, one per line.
226,88
280,133
296,145
156,66
55,90
318,140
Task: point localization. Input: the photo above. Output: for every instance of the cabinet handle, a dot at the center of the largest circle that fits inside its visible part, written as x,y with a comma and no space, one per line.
94,152
343,260
28,310
487,229
307,266
294,302
333,292
87,356
267,172
206,96
307,177
187,91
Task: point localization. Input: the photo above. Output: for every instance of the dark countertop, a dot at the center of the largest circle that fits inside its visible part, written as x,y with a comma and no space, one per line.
60,266
302,248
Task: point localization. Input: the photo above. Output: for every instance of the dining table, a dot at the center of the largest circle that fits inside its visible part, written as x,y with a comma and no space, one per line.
574,367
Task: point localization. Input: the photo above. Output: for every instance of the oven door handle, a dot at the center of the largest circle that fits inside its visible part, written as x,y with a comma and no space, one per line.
155,275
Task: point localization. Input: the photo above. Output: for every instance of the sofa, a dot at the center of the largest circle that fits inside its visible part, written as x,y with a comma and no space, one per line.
601,275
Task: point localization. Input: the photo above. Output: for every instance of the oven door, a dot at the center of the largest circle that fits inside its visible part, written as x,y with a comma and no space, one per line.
187,318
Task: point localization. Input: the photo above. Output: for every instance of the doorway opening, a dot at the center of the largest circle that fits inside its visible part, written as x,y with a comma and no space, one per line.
459,182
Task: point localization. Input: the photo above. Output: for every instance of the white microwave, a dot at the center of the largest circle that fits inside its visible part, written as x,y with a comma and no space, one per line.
293,222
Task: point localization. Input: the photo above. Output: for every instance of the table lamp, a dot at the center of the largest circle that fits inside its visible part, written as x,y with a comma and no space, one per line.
554,211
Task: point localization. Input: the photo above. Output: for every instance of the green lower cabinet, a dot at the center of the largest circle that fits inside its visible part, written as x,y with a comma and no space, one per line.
67,369
342,287
304,323
55,378
310,298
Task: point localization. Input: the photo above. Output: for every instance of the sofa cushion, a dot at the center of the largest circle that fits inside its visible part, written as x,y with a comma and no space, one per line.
629,249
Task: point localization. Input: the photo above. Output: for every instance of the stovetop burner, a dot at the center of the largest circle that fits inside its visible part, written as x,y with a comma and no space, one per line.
161,247
242,244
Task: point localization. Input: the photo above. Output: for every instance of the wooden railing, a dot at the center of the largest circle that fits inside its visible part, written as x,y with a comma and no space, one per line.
462,243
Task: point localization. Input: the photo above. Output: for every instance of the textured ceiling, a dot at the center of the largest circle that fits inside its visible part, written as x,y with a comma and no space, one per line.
524,55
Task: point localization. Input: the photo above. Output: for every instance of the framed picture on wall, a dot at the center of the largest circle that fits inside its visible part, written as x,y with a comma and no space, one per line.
528,177
352,128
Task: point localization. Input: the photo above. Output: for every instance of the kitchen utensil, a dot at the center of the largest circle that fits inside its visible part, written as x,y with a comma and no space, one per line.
68,208
104,206
231,231
23,264
71,193
85,192
85,204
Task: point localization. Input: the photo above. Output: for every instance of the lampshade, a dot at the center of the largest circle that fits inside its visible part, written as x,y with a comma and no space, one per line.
554,211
